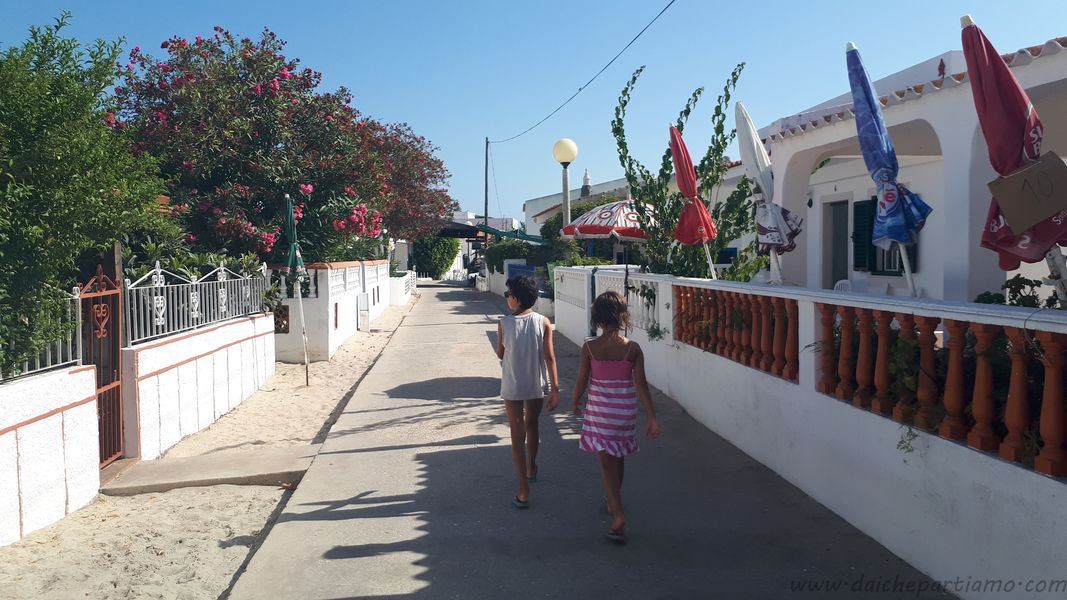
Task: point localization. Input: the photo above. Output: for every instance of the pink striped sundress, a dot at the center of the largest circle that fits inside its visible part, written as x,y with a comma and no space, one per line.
610,417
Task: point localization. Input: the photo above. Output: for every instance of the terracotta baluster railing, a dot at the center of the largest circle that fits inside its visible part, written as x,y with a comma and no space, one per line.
738,321
1017,411
734,342
865,359
903,411
927,392
827,362
779,337
709,318
883,399
745,355
982,436
696,301
953,426
1053,459
846,385
690,316
757,331
732,336
767,335
723,324
792,341
679,311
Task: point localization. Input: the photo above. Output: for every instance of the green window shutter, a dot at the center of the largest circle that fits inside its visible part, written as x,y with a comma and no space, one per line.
862,228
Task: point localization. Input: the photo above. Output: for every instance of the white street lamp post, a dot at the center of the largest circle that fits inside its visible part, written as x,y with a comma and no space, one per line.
565,151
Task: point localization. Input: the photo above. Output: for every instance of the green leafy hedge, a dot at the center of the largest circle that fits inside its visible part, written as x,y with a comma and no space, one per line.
502,250
435,255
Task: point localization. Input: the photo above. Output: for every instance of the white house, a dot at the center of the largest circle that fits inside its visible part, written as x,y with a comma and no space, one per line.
943,157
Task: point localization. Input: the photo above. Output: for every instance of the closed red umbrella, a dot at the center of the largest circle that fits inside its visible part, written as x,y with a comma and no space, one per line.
695,225
1013,133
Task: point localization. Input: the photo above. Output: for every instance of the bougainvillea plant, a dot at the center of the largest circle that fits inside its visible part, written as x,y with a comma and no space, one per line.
237,125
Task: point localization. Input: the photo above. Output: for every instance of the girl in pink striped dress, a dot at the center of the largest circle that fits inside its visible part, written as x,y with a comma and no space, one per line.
612,368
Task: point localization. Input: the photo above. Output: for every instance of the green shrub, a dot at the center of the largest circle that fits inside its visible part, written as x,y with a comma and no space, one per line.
69,184
501,250
434,255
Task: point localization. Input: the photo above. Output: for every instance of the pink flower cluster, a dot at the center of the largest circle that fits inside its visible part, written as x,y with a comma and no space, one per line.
298,212
306,189
360,221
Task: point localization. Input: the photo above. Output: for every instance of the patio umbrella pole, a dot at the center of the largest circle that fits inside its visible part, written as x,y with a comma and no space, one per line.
303,330
711,263
777,262
907,269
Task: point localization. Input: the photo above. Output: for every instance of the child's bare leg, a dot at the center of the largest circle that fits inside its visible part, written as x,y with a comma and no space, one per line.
609,468
533,435
518,445
622,472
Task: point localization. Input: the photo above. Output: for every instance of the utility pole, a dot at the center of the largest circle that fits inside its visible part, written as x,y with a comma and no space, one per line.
485,214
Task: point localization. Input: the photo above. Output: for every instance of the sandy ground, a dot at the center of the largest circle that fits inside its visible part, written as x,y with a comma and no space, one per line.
288,413
182,544
187,544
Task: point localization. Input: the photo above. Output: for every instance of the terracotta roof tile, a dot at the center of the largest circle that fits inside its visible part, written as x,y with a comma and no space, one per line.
914,92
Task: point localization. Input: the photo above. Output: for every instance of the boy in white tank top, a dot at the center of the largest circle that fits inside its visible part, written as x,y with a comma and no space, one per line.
528,375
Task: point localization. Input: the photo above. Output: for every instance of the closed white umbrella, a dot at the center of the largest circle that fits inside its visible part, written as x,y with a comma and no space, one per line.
775,226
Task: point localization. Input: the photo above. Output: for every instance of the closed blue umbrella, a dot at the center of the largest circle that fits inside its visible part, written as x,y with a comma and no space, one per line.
900,213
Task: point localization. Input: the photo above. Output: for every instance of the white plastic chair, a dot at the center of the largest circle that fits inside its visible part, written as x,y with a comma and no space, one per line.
843,286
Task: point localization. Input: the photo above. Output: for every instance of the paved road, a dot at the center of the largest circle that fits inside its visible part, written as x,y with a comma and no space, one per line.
409,497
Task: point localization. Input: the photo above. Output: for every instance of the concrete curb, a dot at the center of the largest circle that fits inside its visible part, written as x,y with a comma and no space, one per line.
283,467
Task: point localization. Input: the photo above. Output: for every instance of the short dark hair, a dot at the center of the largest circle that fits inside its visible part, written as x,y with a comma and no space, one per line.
610,312
524,289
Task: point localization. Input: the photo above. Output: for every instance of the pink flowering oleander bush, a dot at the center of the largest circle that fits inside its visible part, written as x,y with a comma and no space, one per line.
237,125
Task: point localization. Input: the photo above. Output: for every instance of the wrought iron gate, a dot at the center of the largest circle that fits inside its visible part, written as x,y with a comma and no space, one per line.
101,308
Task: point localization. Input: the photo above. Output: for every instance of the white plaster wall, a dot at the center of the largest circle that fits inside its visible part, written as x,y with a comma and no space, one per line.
946,509
376,283
398,292
572,317
49,449
181,384
546,307
10,505
496,283
81,451
849,180
332,317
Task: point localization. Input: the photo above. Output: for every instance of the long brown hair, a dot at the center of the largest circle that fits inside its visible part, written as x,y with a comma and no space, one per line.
610,312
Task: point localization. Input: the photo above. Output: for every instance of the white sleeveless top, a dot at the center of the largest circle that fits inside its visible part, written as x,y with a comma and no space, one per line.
524,375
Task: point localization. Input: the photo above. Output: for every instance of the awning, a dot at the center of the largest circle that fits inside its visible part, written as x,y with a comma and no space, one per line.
515,235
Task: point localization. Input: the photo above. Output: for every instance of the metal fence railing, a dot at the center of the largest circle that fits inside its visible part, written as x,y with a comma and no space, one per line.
64,351
162,303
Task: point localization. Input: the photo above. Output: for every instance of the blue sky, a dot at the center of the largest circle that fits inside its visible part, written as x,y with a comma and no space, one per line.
463,70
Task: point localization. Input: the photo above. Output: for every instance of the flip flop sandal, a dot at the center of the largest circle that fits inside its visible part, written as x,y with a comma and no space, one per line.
520,504
617,537
533,478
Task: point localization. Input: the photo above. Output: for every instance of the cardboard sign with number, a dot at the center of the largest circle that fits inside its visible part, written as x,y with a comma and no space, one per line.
1033,193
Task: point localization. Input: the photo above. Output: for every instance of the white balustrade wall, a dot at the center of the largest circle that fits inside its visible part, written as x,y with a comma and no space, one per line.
401,288
976,515
332,308
178,385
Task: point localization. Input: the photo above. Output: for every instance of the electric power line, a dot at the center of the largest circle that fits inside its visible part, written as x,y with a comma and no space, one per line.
575,95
